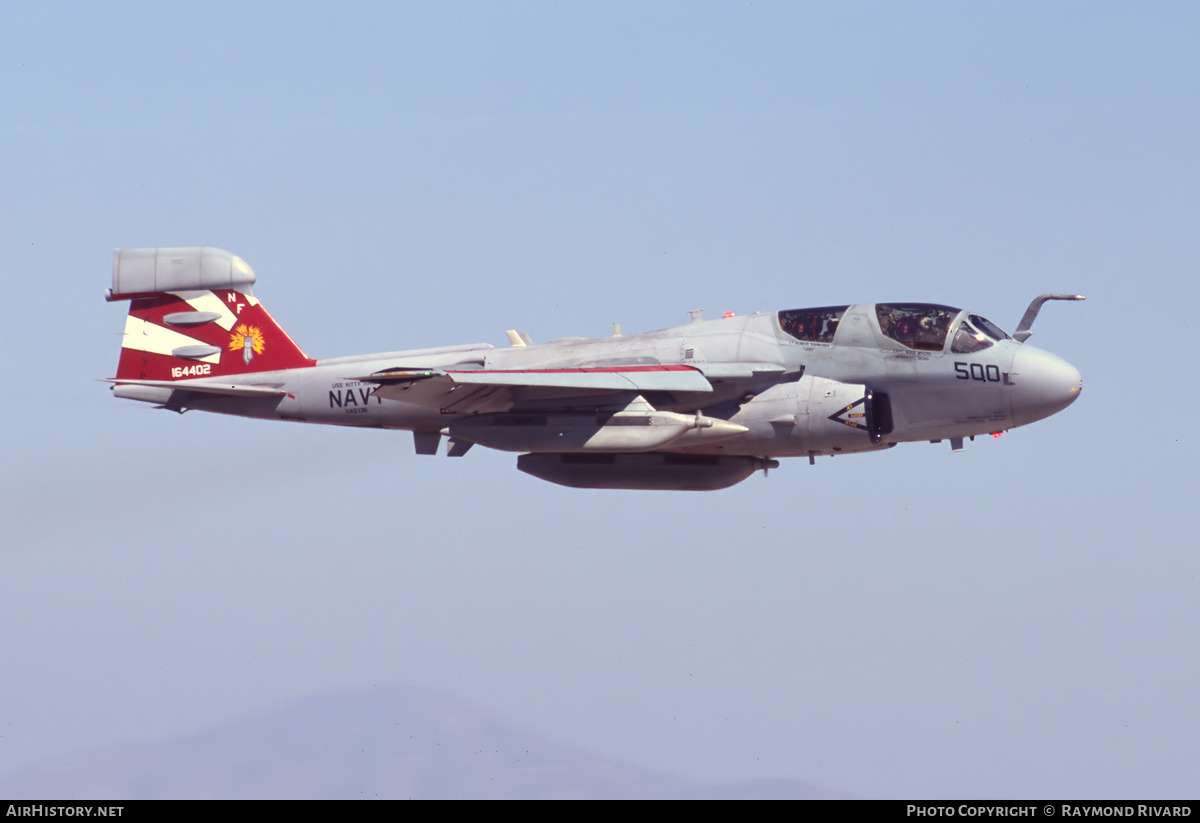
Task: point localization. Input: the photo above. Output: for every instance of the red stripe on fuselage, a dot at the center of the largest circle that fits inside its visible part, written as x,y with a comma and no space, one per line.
582,370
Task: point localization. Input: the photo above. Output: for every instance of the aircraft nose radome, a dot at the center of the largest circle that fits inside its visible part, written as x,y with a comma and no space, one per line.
1043,384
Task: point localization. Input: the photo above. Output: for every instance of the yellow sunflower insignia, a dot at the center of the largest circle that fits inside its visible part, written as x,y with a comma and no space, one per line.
249,339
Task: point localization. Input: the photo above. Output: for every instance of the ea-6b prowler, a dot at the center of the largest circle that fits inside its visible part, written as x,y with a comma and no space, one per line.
700,406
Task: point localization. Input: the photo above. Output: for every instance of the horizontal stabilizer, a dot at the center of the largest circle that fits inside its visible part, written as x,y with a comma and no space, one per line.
227,389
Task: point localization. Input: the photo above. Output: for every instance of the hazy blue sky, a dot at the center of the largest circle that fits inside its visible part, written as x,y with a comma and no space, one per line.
1018,620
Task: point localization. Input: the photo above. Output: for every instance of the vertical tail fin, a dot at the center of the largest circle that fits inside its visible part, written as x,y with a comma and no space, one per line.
192,314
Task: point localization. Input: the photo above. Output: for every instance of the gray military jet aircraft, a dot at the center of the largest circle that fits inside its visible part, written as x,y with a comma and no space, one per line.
700,406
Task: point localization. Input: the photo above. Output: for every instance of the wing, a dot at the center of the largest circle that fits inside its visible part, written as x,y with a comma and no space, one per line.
485,391
489,391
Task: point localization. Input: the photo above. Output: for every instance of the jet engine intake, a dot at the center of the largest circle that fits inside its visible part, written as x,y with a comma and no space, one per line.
816,415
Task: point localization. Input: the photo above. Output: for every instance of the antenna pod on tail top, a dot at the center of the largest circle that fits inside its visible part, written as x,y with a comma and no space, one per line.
154,271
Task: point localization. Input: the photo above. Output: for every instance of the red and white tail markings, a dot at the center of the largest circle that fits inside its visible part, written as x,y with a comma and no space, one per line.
181,335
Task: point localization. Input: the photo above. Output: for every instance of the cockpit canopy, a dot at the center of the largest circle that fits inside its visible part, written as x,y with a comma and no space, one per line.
812,325
920,326
976,333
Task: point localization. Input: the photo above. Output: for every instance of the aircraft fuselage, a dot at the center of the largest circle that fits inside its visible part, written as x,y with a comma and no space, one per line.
933,395
696,406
